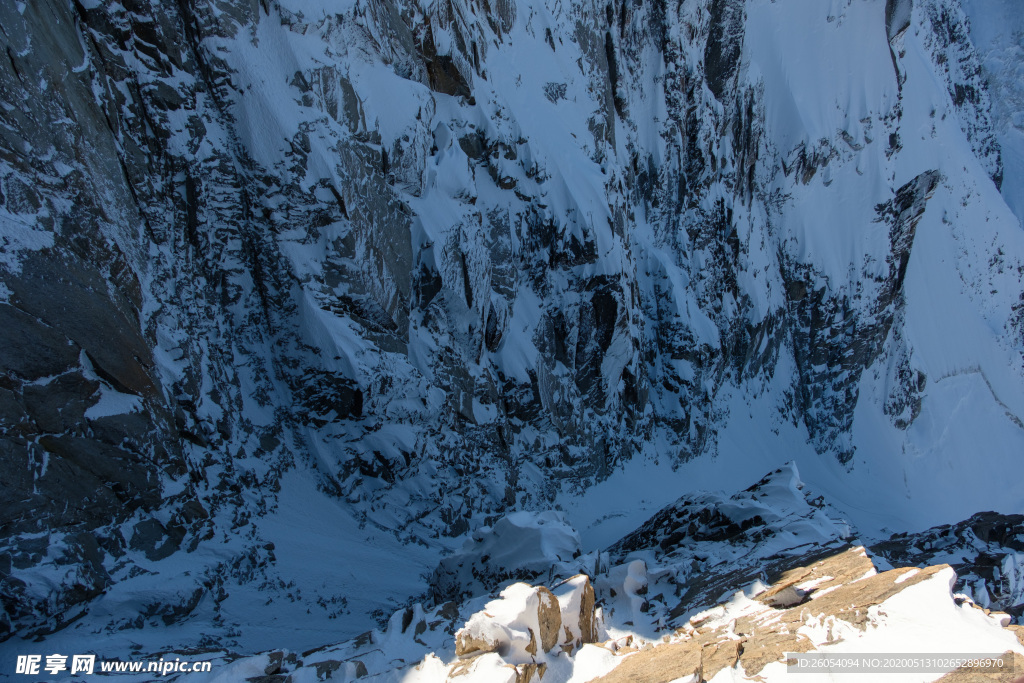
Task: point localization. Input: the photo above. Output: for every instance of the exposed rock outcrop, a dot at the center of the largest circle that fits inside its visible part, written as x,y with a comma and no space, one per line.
987,552
840,598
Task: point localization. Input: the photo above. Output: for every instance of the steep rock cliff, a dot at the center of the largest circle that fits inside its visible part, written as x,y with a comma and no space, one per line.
418,264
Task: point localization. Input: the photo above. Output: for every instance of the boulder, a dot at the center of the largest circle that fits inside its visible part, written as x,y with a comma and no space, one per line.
576,602
522,626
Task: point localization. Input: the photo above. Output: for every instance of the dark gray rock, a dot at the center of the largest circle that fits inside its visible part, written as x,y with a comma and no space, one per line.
725,43
987,552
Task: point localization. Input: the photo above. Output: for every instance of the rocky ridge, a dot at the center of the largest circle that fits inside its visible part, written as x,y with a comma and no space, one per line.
809,596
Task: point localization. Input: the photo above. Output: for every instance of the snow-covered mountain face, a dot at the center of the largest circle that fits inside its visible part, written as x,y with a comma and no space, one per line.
296,293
